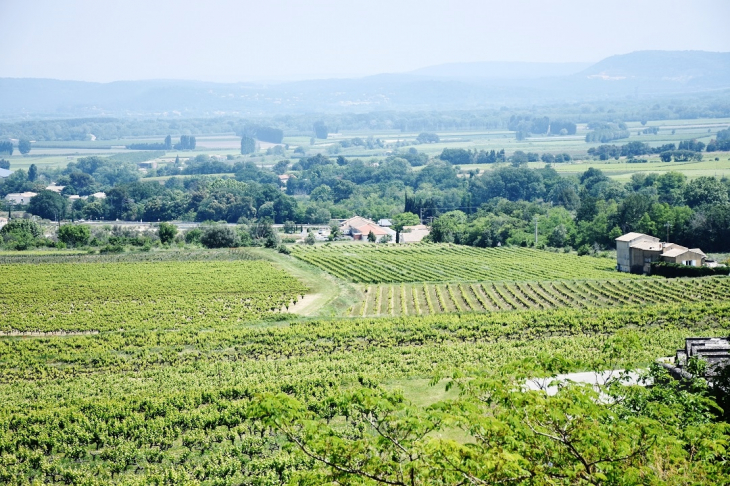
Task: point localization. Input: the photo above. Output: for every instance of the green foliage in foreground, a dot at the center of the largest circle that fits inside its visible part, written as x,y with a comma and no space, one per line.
584,434
202,405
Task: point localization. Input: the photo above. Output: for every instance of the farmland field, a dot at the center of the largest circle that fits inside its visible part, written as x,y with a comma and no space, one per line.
450,263
149,295
426,299
154,371
180,406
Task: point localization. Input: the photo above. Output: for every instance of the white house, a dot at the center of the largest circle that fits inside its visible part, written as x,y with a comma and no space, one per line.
19,197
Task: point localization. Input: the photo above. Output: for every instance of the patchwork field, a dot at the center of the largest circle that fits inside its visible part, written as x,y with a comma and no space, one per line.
453,263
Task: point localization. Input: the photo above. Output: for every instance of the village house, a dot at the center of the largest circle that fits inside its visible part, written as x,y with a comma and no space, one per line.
414,234
635,252
359,228
20,198
55,188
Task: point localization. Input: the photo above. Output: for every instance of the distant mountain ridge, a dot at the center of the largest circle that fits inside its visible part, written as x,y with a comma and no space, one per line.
665,65
453,86
502,70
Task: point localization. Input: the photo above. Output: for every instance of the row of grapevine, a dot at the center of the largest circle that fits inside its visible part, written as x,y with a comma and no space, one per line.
491,296
162,295
451,263
151,407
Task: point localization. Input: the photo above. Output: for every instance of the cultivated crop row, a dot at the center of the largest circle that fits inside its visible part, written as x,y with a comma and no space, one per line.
424,299
155,295
452,263
181,406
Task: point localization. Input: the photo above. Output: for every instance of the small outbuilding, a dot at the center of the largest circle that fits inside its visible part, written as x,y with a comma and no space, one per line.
635,252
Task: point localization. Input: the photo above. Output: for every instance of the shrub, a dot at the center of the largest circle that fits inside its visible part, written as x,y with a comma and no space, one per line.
166,232
193,236
21,226
115,248
74,234
674,270
219,237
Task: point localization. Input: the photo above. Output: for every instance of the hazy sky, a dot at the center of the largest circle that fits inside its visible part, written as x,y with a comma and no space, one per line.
217,40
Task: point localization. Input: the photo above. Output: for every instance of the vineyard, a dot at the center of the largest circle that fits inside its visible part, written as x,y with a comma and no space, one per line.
425,299
450,263
153,295
155,371
181,406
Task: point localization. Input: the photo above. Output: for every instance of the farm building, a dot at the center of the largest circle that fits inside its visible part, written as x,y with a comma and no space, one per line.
19,197
359,228
150,164
55,188
635,253
414,234
354,222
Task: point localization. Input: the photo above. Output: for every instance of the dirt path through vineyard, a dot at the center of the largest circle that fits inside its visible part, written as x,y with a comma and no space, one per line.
328,296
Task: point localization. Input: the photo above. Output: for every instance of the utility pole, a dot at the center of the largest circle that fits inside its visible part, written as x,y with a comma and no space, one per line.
535,231
668,225
421,214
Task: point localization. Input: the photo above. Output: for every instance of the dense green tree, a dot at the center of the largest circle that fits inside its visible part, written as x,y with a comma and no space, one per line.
218,236
320,130
280,167
402,220
6,147
322,194
187,142
74,234
20,234
23,146
456,156
48,205
705,190
449,227
310,239
23,226
427,137
193,236
32,173
248,145
166,232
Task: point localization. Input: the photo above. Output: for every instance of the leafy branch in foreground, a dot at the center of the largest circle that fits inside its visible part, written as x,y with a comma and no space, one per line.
610,432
